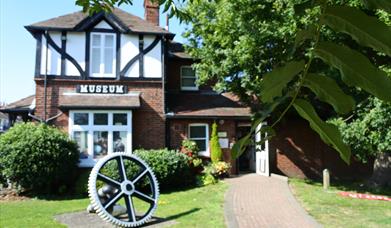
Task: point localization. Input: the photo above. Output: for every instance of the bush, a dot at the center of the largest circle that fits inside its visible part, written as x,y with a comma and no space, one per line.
215,149
38,157
171,168
81,183
213,171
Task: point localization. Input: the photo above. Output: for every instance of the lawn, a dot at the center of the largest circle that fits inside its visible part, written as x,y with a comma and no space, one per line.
332,210
189,208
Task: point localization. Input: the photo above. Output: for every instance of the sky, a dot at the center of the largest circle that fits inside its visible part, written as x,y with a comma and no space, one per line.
17,45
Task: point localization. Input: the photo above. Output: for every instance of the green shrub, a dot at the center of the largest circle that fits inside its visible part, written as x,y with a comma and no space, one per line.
171,168
38,157
216,152
81,184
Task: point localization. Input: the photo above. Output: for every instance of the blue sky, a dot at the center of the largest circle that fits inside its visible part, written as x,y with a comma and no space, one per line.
17,46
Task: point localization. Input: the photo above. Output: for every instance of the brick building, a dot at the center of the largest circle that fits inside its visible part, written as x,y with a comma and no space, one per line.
116,82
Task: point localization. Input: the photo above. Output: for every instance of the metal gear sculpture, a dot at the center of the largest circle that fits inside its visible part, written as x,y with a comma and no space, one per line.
123,190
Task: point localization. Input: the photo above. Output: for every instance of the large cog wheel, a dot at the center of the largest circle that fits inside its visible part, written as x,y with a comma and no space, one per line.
123,181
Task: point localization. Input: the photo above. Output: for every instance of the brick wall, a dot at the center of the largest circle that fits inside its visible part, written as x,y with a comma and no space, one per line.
148,120
179,132
297,151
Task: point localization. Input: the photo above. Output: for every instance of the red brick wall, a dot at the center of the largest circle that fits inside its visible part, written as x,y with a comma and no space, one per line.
297,151
148,120
179,132
174,75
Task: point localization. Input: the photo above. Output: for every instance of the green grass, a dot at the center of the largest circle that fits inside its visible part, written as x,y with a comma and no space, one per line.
195,207
333,210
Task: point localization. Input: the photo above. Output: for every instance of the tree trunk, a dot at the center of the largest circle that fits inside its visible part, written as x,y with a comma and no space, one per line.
381,176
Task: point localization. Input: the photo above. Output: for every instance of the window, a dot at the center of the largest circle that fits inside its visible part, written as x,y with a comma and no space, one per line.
188,78
99,133
102,55
199,133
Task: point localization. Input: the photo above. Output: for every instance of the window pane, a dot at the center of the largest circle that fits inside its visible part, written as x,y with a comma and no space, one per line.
100,118
100,144
120,119
95,60
109,40
188,71
119,141
81,138
80,119
197,132
108,56
96,40
188,82
201,144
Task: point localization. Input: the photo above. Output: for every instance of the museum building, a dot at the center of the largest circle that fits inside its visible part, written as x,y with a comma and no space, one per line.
117,82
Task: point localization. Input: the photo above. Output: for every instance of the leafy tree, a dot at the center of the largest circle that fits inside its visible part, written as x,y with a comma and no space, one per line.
282,54
368,130
215,149
278,55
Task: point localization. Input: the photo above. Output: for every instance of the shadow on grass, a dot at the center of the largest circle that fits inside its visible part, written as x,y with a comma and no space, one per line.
157,220
360,187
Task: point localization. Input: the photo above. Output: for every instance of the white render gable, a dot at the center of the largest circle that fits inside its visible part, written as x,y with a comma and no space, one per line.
76,55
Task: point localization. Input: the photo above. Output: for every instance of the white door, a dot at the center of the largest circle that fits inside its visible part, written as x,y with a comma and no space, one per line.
262,152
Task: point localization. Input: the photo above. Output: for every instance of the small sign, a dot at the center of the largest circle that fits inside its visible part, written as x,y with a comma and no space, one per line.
224,143
222,134
104,89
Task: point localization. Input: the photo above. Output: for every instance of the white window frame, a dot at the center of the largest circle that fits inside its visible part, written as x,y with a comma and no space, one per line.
188,88
90,128
206,152
101,73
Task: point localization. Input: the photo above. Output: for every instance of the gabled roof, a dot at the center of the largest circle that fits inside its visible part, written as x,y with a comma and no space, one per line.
177,50
79,21
20,105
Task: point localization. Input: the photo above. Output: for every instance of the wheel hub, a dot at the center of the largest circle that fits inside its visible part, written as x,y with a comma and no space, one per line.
127,187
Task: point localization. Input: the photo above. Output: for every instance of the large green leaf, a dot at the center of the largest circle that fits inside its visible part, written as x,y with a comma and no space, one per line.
378,4
329,133
240,146
274,82
305,34
356,69
366,30
327,90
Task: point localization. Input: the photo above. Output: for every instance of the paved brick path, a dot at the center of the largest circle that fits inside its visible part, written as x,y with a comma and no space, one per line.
257,201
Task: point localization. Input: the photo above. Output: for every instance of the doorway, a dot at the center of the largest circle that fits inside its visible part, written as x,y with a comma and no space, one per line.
246,161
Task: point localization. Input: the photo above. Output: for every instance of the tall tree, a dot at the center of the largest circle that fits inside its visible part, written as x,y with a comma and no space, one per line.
282,54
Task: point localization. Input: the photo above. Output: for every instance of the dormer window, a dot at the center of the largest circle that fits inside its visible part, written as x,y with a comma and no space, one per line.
188,78
102,60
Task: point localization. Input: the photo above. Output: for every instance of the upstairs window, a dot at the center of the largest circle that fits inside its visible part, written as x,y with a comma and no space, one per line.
102,55
188,78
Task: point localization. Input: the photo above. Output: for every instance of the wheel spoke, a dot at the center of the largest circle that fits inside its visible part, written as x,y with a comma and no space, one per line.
112,200
139,176
143,197
108,180
130,208
121,168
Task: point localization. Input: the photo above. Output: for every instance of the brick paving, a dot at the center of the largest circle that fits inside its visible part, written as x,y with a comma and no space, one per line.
257,201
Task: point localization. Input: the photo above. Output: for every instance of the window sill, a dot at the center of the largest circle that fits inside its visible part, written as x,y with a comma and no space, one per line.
189,88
